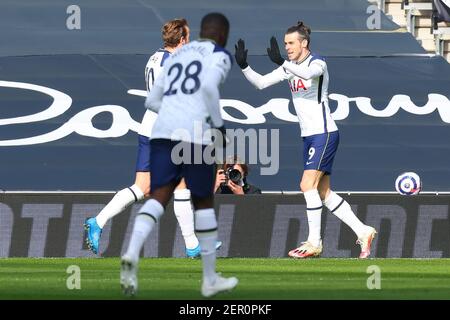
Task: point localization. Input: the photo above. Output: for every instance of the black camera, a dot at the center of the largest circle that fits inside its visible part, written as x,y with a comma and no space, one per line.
233,175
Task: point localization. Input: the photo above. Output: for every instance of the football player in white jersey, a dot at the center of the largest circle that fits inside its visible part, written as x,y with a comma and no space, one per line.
175,33
307,75
185,96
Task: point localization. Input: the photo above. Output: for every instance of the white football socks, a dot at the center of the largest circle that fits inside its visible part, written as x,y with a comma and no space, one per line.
118,203
185,216
147,217
341,209
206,229
314,213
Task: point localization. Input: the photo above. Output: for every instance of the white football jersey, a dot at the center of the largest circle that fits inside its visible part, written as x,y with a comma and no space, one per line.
189,89
308,82
153,69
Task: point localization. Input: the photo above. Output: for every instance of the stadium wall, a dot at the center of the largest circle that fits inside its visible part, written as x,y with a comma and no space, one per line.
393,115
51,225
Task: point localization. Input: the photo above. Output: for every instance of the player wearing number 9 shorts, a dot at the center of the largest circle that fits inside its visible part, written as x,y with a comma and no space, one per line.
307,75
319,151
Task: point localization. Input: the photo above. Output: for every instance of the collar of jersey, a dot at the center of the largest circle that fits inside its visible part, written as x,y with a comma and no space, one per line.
300,62
206,39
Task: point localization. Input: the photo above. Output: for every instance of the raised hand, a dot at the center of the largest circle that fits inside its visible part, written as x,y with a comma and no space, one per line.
241,54
274,52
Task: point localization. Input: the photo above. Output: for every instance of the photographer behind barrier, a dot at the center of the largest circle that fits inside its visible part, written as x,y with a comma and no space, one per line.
231,178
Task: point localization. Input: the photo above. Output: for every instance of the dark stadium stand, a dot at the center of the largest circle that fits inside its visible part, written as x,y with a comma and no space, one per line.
38,27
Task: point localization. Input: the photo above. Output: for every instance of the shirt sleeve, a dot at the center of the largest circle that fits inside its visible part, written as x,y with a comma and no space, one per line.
264,81
218,69
221,63
211,84
313,70
155,95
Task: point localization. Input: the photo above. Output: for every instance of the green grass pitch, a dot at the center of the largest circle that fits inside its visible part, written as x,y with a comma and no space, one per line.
259,279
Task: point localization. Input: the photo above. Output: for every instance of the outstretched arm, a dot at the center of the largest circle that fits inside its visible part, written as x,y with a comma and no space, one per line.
258,80
313,70
305,72
264,81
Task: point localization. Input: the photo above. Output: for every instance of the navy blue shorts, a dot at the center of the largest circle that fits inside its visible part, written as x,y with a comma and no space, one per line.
143,156
199,177
319,151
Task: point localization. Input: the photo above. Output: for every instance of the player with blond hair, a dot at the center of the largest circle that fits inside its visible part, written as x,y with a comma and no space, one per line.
185,94
175,34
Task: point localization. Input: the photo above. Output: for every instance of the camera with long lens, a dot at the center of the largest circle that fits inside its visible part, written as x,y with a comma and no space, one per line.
233,175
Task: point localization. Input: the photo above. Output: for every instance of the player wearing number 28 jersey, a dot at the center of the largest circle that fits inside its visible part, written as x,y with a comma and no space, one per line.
175,34
186,95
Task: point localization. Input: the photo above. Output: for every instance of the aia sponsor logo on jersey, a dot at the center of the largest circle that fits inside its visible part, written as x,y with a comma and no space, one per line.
297,84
